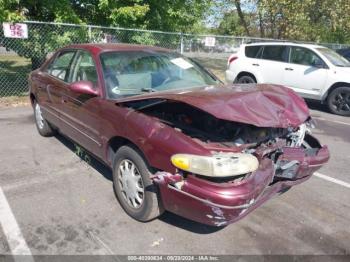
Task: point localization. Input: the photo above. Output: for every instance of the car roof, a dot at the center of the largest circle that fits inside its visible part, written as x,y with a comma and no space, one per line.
286,44
102,47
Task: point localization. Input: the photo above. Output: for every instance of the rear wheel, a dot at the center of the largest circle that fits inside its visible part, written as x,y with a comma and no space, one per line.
246,79
132,184
42,125
338,101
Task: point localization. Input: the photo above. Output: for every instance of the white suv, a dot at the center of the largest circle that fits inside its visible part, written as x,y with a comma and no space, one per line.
313,71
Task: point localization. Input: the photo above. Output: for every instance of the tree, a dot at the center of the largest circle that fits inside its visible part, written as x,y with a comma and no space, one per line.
241,16
231,25
307,20
42,39
166,15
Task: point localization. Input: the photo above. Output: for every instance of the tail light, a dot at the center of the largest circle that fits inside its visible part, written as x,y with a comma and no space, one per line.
231,59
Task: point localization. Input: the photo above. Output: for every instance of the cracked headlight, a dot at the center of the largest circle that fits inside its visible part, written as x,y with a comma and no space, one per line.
220,165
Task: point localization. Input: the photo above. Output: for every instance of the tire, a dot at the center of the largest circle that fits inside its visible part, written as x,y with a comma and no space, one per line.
246,79
128,185
44,127
338,101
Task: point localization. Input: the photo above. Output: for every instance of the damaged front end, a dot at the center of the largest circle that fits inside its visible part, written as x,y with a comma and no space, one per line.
222,188
245,164
221,200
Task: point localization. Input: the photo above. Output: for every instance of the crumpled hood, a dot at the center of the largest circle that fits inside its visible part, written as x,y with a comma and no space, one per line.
262,105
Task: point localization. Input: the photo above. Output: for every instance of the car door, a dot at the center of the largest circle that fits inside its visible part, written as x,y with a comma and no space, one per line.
81,111
250,63
306,72
272,63
54,79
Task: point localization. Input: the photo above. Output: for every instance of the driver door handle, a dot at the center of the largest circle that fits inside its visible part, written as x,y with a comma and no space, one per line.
289,69
256,65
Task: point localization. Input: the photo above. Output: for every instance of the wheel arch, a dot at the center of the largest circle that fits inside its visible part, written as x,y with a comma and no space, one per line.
246,73
32,98
334,86
114,143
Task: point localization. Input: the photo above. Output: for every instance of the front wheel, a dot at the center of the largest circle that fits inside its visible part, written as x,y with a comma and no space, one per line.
338,101
44,127
246,79
132,184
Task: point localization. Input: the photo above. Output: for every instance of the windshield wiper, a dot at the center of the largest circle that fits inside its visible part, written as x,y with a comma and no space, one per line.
149,90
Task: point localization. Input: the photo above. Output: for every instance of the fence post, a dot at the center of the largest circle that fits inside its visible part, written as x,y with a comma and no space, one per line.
181,43
90,33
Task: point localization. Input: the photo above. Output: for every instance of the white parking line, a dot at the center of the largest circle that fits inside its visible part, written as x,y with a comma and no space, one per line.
16,242
331,179
333,121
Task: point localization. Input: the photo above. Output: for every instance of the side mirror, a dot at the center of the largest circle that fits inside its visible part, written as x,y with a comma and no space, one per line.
84,87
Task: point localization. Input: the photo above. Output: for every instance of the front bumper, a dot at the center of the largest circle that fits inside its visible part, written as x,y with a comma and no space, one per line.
219,204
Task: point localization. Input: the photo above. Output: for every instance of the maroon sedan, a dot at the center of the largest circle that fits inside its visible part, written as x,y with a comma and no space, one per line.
176,138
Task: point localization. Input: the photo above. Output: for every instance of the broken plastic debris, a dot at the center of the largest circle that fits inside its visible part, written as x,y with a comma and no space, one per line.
157,242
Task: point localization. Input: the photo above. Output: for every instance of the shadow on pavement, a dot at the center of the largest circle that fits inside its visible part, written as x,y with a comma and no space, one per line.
86,157
186,224
316,105
167,217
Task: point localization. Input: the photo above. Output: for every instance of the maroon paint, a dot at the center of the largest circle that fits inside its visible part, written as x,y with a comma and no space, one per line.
84,87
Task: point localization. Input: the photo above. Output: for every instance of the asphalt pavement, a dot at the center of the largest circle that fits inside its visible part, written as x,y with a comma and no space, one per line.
53,201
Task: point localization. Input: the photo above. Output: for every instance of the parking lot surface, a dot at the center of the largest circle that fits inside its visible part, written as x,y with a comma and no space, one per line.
55,202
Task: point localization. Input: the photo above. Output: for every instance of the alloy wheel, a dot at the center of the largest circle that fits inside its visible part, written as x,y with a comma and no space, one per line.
341,102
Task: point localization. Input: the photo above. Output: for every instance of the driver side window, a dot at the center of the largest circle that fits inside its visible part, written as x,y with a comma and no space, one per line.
303,56
84,68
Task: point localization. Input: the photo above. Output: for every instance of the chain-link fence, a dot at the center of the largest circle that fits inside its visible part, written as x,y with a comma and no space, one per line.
20,56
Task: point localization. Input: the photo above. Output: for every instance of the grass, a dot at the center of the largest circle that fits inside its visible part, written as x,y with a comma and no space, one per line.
215,65
14,71
14,101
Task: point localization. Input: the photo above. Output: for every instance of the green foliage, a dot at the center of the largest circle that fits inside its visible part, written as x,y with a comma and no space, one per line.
8,12
130,16
167,15
43,39
231,25
307,20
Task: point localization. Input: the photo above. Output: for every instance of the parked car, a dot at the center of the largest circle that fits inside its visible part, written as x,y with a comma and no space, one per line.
313,71
176,138
345,52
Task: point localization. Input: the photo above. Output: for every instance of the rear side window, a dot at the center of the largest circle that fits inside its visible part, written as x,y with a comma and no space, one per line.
252,51
275,53
60,67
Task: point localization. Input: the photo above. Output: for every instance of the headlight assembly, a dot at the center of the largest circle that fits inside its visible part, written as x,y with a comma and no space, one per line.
220,165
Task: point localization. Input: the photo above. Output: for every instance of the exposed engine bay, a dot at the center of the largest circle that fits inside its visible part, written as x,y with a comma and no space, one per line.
207,128
254,142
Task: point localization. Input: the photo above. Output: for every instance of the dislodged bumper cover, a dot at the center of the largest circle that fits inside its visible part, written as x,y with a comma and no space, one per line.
221,204
261,105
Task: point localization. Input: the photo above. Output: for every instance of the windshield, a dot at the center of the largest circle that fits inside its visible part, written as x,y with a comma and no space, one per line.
334,57
135,72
